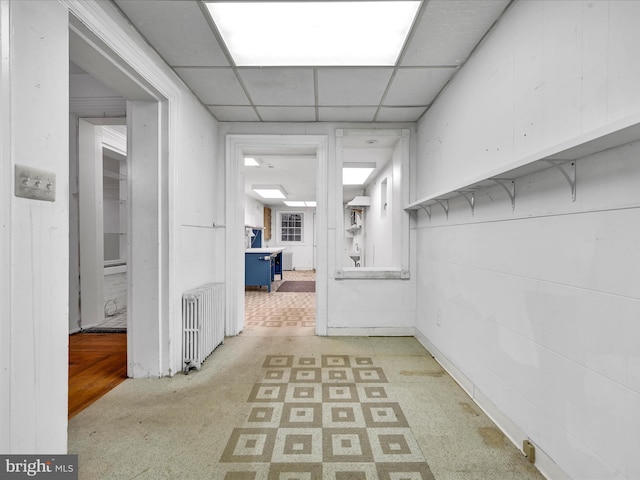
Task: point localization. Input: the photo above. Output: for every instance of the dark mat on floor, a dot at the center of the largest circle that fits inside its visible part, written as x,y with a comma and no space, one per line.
105,330
297,286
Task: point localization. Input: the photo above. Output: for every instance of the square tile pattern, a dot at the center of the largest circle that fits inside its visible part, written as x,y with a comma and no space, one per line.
327,417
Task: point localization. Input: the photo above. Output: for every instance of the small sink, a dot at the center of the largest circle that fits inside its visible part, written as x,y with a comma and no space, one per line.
356,259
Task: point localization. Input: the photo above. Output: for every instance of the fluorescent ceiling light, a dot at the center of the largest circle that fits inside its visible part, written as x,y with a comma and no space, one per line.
269,191
251,162
356,173
338,33
299,203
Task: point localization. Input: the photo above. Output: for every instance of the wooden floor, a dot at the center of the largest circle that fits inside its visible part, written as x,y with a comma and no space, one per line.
97,364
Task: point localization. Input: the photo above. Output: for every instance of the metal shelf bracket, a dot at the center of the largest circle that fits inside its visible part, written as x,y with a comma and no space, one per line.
427,209
444,204
568,171
509,186
470,197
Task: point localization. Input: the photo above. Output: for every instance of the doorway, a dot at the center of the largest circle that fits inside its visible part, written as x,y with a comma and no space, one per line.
146,211
237,148
280,203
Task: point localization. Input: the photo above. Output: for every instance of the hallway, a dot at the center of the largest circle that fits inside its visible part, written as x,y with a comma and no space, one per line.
276,407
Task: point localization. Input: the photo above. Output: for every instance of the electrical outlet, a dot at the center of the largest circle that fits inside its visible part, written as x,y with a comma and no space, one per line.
529,450
35,184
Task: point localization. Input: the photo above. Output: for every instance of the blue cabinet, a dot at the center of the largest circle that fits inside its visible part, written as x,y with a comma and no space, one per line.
261,265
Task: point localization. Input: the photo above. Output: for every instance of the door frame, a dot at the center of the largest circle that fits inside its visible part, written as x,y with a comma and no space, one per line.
235,145
96,47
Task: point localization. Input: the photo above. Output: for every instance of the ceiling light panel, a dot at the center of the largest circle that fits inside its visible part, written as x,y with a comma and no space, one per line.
314,33
269,191
251,162
299,203
356,173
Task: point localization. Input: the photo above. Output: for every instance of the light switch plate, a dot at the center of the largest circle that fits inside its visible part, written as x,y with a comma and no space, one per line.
35,184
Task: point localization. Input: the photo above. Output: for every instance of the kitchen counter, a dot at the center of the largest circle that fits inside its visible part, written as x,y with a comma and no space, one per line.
261,265
264,250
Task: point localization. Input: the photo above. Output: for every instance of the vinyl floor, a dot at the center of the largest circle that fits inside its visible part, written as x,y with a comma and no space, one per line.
279,403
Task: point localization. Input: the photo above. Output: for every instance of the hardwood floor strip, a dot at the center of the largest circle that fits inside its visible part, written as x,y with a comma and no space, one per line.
97,364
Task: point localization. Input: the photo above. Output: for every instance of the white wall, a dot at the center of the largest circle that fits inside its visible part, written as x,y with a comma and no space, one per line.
34,276
302,252
535,310
354,305
378,225
34,251
253,212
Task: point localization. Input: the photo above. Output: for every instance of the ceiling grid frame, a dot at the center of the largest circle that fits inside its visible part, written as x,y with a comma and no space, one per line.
461,26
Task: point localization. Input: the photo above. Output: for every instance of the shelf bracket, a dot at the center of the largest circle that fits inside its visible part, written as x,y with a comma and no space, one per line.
444,204
427,209
509,186
470,197
568,171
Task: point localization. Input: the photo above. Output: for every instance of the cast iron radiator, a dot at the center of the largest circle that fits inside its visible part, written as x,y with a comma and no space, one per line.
202,324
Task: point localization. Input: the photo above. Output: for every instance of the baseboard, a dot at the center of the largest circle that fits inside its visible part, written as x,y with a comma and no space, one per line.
544,463
371,331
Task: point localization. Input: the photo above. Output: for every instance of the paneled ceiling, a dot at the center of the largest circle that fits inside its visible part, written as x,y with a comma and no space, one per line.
442,38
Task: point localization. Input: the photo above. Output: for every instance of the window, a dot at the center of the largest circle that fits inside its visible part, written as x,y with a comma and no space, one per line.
291,227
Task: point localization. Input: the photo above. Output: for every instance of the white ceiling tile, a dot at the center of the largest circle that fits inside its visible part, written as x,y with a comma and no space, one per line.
234,114
279,86
449,30
352,86
287,114
178,30
215,86
400,114
346,114
417,86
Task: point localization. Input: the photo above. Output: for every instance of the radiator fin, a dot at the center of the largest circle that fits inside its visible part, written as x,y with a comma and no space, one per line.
202,323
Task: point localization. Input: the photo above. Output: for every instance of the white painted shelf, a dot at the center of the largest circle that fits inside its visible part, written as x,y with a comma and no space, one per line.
562,157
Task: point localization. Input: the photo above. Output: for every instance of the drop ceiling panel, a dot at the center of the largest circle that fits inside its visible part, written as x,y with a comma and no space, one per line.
400,114
449,30
214,86
444,35
287,114
352,86
178,30
417,86
346,114
279,86
225,113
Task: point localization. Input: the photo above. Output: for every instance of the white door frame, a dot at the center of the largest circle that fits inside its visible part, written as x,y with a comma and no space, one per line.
150,257
235,146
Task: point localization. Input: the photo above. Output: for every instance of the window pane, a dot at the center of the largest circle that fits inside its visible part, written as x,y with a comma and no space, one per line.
291,227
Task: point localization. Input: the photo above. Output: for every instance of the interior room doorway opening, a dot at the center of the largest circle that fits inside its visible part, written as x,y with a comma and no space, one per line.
147,191
238,147
280,205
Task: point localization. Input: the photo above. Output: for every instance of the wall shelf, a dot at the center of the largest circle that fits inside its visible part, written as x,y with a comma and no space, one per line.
561,157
